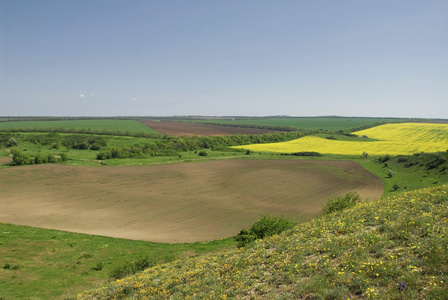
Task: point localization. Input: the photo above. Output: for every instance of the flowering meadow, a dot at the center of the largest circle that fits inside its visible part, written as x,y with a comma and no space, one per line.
393,248
393,139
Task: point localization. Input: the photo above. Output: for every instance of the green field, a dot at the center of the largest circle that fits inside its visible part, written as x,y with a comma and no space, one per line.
40,263
326,123
111,125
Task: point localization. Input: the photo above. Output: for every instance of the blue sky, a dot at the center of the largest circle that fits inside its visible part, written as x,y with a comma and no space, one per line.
224,58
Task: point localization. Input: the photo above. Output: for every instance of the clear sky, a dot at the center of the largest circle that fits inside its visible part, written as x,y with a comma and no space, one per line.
224,58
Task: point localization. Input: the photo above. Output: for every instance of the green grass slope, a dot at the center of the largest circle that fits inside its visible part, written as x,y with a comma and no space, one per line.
393,248
37,263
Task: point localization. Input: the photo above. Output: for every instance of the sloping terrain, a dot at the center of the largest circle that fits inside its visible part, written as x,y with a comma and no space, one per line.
175,203
394,248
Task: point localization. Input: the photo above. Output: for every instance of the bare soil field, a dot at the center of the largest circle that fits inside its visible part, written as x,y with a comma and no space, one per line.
5,160
175,203
190,129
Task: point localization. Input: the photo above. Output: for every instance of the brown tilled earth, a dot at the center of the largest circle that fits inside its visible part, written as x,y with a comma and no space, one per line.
190,129
175,203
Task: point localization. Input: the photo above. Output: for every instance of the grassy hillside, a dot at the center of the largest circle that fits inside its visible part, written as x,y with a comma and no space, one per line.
393,248
38,263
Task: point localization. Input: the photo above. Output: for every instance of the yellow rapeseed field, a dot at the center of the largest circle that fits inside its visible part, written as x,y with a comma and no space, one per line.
393,139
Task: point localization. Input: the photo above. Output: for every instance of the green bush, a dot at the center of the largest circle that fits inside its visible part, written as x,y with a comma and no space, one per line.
340,203
203,153
19,159
131,267
390,173
63,156
266,226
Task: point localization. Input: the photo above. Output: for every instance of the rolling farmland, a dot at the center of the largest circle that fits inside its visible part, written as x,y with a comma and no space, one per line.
184,197
193,129
326,123
175,203
113,125
393,139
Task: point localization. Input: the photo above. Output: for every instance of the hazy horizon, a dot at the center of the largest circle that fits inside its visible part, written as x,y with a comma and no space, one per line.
235,58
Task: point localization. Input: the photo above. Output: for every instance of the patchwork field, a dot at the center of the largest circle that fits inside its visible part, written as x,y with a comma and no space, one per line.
393,139
113,125
327,123
191,129
175,203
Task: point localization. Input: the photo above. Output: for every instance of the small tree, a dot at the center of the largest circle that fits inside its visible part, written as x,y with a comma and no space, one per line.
203,153
63,156
365,154
396,187
390,173
12,142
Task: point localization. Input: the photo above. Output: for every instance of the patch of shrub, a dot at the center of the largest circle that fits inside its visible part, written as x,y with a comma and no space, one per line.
203,153
341,203
131,267
63,156
12,142
306,153
8,266
266,226
98,266
95,146
439,160
402,159
20,159
385,158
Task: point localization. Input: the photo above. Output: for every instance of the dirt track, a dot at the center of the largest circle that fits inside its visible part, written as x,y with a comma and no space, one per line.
190,129
175,203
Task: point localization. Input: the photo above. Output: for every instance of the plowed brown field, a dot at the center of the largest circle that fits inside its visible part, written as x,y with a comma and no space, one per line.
190,129
175,203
